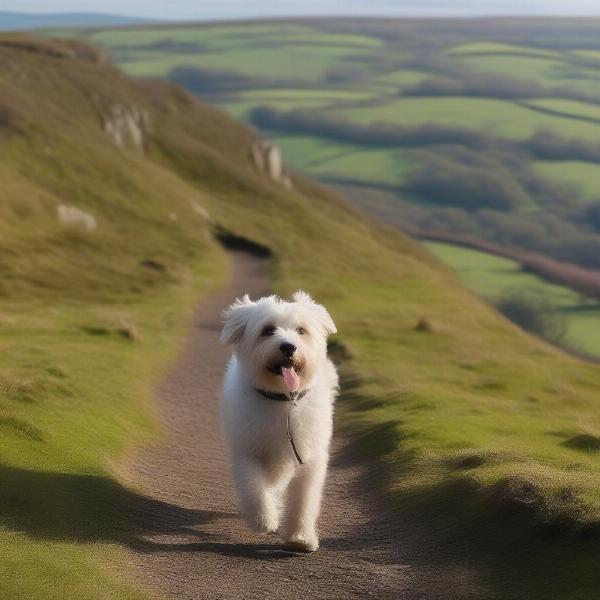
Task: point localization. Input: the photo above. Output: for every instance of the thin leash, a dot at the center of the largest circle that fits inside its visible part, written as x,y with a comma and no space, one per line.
293,397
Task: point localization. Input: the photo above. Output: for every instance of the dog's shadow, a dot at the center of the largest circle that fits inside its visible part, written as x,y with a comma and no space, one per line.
97,508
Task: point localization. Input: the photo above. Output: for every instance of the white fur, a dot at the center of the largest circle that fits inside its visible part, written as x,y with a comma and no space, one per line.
274,490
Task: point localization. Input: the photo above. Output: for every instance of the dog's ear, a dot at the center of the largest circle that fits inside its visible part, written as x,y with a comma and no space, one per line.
236,318
319,312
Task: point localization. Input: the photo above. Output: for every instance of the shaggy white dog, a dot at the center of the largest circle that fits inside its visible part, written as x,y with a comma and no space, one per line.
277,412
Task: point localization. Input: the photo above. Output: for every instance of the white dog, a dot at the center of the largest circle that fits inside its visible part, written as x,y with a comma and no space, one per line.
277,412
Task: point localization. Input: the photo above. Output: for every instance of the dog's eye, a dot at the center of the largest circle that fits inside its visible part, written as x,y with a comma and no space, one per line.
300,331
268,330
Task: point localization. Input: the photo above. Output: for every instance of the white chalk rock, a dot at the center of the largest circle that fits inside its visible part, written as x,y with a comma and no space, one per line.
126,126
71,216
268,159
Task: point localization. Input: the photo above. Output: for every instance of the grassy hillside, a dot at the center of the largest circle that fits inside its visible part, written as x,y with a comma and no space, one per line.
510,106
495,278
471,417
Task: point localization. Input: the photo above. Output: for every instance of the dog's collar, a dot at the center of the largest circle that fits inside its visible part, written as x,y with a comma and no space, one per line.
281,397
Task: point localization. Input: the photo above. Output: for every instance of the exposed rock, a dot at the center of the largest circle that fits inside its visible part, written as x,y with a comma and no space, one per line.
155,265
274,162
200,210
128,330
126,126
71,216
268,159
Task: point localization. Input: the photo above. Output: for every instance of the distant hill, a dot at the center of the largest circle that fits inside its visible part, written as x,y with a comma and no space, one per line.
14,21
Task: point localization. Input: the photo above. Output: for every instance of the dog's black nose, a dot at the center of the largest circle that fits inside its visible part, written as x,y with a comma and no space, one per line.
287,349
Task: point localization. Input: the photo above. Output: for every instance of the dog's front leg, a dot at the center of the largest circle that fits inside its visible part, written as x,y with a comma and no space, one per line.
258,504
304,504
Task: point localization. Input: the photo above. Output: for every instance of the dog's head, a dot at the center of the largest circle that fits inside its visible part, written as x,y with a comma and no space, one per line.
280,344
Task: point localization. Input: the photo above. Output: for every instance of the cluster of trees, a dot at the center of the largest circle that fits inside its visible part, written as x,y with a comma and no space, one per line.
308,121
492,85
465,179
545,233
479,85
547,145
210,81
543,145
531,311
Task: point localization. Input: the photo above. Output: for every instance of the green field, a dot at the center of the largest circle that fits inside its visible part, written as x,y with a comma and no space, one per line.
569,108
505,119
493,276
583,176
498,48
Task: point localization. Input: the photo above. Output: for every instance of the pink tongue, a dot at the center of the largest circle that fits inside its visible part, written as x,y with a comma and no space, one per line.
291,379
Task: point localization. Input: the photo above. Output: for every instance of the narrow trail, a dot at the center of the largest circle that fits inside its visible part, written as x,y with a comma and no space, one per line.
193,545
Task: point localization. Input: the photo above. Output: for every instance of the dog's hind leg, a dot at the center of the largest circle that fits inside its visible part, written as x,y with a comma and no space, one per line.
258,502
304,504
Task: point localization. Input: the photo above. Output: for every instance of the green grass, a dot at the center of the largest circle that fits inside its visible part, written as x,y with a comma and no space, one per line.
288,99
75,395
584,176
568,107
377,167
305,152
227,37
499,48
493,276
215,37
320,158
86,328
302,62
546,70
503,118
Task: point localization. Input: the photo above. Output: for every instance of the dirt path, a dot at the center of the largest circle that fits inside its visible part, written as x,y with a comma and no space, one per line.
192,544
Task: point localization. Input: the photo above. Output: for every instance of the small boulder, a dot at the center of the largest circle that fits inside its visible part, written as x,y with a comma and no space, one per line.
200,210
71,216
425,325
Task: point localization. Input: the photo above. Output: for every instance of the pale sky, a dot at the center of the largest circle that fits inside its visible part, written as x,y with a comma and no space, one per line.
229,9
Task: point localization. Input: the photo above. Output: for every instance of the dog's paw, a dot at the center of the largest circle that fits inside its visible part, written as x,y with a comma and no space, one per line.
302,542
264,523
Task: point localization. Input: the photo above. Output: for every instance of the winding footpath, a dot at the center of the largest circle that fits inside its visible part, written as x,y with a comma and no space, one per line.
191,544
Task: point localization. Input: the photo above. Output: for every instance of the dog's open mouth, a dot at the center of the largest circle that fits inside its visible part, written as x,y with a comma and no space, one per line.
290,372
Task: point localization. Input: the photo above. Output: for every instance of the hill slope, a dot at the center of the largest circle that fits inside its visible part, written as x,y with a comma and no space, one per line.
468,414
467,130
